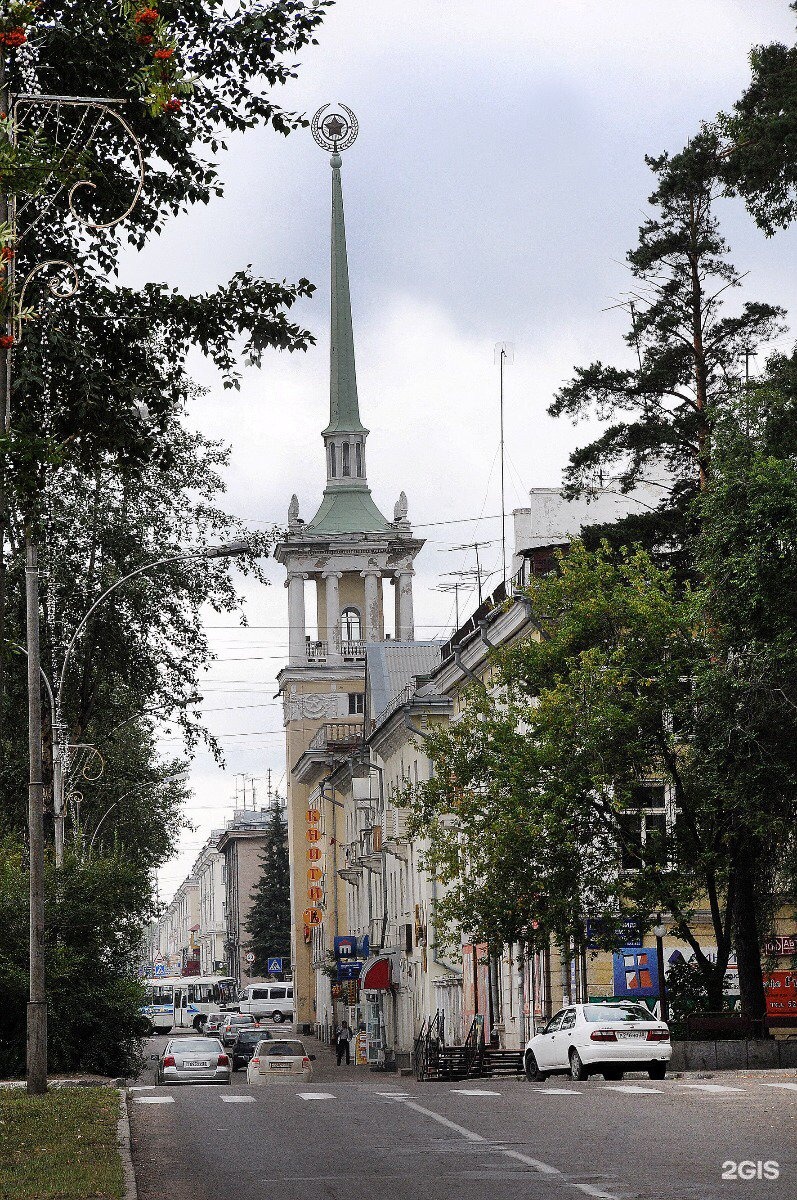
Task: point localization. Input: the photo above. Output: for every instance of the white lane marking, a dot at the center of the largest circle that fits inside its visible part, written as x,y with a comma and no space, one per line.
786,1087
473,1092
541,1167
635,1091
154,1100
709,1087
316,1095
557,1092
238,1099
143,1087
394,1095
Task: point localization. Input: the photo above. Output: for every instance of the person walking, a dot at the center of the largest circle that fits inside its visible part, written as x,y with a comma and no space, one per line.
343,1036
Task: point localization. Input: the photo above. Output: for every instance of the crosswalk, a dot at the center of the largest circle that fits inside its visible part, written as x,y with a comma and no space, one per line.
150,1094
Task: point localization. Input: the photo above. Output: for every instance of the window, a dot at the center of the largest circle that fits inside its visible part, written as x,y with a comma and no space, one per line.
260,993
332,462
554,1023
350,626
643,828
569,1019
358,455
277,993
356,703
346,459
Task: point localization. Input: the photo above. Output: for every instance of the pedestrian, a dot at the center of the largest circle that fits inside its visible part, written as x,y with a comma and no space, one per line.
343,1036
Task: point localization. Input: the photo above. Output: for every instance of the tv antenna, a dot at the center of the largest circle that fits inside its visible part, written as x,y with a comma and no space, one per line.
504,353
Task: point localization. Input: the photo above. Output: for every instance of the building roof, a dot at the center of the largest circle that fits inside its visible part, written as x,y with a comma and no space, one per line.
393,666
347,509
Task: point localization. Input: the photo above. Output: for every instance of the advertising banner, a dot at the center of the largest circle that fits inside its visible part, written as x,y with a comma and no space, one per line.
636,972
781,989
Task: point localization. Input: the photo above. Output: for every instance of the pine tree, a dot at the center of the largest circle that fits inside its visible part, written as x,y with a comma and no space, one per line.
269,920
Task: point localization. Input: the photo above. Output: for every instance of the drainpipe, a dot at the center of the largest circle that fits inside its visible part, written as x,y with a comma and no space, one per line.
483,635
524,600
466,670
409,725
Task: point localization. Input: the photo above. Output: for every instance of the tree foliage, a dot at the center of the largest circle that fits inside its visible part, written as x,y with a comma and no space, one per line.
269,920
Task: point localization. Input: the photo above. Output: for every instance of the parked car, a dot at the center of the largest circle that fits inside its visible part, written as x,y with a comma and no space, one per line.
233,1022
192,1060
605,1039
213,1024
244,1046
279,1059
272,1001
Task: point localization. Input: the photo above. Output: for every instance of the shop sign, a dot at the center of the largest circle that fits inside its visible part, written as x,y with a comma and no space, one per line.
781,947
636,972
781,989
349,970
345,946
312,916
629,933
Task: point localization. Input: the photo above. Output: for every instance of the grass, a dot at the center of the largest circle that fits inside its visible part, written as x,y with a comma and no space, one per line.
61,1146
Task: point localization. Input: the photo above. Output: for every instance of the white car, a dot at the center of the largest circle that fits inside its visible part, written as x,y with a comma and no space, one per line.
279,1059
605,1039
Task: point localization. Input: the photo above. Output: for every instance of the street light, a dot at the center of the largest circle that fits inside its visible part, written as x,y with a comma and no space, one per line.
143,787
233,549
659,932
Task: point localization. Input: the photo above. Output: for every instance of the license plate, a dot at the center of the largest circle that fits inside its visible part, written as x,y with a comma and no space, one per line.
280,1066
638,1035
197,1062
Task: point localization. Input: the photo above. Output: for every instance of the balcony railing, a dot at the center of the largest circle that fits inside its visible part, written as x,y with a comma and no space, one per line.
338,736
350,651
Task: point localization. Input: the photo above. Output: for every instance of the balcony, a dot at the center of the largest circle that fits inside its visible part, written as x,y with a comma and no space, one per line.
343,735
318,652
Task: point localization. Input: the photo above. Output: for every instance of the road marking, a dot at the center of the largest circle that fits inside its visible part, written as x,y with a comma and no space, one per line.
557,1092
634,1091
143,1087
394,1095
473,1092
709,1087
154,1100
316,1095
590,1190
238,1099
787,1087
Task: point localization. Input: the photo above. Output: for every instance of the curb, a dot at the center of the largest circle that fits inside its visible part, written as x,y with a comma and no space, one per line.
123,1140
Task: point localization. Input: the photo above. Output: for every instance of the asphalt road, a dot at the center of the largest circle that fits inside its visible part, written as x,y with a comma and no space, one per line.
354,1134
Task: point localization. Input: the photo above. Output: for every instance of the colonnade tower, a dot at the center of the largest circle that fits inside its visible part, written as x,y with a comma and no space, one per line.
346,555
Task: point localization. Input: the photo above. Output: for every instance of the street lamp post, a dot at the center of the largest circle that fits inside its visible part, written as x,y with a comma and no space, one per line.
659,930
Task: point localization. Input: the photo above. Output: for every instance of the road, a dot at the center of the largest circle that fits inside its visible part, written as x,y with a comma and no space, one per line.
355,1134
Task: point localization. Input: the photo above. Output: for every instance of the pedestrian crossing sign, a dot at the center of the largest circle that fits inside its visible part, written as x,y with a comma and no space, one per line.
275,966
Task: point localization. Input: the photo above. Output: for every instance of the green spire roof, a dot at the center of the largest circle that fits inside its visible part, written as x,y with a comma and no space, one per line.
347,510
344,408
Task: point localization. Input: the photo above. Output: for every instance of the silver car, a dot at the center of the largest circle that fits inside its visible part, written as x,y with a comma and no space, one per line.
193,1060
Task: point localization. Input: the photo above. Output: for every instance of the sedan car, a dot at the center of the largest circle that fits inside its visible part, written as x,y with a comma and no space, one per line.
232,1025
243,1047
605,1039
213,1024
279,1059
192,1060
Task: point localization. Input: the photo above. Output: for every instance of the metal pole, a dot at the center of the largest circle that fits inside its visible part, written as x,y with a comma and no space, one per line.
663,1005
503,492
37,1002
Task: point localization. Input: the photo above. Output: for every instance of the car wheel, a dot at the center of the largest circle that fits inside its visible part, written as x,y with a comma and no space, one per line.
578,1072
657,1070
533,1072
277,1018
613,1073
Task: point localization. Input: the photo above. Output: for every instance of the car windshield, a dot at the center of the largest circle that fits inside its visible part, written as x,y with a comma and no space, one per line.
250,1037
284,1050
616,1014
194,1046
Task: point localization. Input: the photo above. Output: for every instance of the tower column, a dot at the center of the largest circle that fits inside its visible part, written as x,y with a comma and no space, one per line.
405,620
372,628
333,614
297,646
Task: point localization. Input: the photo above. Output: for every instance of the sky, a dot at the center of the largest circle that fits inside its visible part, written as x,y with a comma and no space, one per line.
497,183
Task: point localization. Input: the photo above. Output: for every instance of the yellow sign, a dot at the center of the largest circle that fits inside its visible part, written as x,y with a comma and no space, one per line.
315,875
312,916
313,816
313,835
314,853
315,893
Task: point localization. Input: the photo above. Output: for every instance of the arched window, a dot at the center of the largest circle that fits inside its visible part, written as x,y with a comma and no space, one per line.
346,459
350,625
358,456
332,463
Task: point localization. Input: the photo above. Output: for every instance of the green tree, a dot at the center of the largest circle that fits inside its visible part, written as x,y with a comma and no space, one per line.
269,920
689,352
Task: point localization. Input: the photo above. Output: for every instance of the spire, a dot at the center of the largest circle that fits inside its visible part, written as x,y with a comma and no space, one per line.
344,408
347,506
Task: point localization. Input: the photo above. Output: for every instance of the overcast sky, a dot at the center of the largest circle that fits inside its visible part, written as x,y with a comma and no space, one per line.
496,185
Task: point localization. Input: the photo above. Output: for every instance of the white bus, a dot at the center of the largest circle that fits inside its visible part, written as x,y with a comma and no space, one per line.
185,1001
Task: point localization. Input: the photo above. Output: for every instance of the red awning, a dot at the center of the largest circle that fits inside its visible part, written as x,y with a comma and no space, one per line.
376,974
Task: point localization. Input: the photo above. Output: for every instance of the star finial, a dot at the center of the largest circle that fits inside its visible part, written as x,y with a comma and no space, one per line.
336,132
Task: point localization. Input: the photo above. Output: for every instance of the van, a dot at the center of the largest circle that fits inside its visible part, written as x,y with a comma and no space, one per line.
270,1001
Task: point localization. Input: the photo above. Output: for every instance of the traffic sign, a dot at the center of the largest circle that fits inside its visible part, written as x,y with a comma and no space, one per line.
250,958
160,968
274,966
